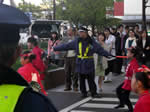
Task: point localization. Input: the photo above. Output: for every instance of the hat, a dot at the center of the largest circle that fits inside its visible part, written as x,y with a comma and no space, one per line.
83,29
10,16
11,20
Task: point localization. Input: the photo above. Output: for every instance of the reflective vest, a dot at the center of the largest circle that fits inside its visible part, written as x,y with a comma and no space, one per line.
9,95
85,53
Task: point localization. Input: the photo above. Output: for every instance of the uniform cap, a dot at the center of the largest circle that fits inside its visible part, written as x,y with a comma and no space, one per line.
83,29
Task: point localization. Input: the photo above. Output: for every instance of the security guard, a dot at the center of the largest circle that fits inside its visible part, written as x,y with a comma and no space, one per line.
15,93
85,47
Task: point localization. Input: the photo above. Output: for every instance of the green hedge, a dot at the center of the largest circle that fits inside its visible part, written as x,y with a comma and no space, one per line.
17,64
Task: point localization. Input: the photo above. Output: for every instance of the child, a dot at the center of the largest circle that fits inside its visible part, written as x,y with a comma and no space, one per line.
101,62
123,90
37,62
52,42
141,85
29,73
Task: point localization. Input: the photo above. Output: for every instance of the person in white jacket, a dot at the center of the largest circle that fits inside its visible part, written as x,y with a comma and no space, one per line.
131,41
110,43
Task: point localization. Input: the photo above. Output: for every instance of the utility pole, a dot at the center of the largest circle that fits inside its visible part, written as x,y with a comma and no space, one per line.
54,9
143,14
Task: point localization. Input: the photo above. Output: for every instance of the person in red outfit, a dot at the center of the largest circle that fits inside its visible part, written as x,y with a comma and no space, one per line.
29,73
141,85
123,90
38,63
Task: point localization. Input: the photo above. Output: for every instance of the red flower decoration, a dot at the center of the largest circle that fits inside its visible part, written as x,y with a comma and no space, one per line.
143,68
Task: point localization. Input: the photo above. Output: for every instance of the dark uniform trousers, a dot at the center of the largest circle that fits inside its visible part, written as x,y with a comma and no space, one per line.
70,64
110,67
118,65
123,96
91,82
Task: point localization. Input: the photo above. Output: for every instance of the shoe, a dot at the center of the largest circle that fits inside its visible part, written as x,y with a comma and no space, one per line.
116,74
84,96
67,89
107,81
75,89
110,80
95,95
119,106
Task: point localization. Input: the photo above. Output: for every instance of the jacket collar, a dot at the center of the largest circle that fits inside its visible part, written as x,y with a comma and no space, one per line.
9,76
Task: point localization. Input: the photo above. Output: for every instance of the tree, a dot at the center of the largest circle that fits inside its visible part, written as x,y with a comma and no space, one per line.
28,7
87,12
48,5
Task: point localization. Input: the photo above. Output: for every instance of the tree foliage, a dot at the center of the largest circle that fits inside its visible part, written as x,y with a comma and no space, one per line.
87,12
28,7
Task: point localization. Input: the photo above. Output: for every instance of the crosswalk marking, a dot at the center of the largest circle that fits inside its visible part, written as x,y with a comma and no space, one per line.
76,105
95,105
112,99
103,104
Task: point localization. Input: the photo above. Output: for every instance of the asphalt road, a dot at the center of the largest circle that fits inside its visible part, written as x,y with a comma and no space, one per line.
72,101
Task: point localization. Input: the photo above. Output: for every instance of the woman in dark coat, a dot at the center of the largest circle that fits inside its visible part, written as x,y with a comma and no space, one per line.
144,44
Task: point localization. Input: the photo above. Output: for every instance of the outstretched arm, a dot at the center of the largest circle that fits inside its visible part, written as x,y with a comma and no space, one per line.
100,51
68,46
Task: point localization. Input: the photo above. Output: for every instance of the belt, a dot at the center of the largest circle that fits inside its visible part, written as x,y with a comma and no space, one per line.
85,57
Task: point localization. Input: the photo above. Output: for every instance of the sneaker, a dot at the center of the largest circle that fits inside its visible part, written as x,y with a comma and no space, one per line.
110,80
67,89
107,81
84,96
75,89
95,95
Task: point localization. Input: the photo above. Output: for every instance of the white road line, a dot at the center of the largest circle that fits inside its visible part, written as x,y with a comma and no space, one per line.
105,106
75,105
112,99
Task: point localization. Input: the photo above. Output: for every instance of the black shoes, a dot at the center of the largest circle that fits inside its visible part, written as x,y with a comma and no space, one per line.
75,89
84,95
95,95
119,106
67,89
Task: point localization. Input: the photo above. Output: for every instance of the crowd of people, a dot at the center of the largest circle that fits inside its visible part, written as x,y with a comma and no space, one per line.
82,49
129,42
87,56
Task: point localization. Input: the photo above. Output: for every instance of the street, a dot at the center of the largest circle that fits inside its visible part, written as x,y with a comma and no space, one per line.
72,101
